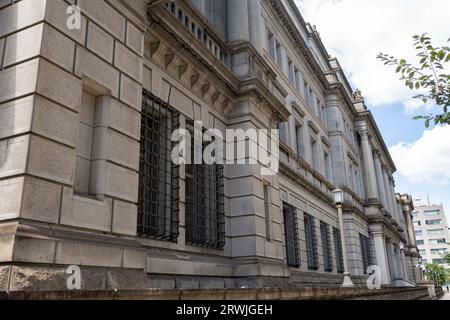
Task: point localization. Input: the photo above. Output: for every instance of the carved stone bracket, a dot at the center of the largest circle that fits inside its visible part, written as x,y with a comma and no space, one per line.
227,106
200,82
172,62
158,52
185,73
207,90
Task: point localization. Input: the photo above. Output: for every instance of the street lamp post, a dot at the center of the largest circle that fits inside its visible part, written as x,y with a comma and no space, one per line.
339,200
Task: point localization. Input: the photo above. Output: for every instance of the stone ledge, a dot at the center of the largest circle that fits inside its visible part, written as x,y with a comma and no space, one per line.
226,294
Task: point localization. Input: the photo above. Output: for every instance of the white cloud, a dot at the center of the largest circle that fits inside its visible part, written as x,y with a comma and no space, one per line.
412,105
427,160
356,31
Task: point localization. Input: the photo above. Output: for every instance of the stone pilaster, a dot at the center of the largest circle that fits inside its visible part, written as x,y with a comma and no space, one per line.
406,276
253,254
391,260
380,252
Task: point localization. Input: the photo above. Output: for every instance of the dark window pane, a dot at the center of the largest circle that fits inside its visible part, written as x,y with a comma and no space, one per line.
205,212
158,207
311,242
365,252
291,236
338,250
326,246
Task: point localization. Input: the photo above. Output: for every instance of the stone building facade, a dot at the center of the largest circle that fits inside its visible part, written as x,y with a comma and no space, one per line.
87,107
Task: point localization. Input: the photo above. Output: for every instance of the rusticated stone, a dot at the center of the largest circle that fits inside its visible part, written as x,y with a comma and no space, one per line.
4,277
38,279
126,279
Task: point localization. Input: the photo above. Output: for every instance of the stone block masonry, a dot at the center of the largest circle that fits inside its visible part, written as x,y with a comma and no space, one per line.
44,69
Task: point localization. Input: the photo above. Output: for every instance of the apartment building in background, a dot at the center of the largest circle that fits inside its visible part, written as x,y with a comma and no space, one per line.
432,233
86,176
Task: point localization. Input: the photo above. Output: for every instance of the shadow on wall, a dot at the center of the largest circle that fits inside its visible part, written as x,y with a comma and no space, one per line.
10,84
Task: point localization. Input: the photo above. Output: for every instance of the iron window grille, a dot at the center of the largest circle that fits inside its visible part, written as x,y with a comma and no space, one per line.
338,250
365,252
326,247
311,242
158,204
291,235
205,203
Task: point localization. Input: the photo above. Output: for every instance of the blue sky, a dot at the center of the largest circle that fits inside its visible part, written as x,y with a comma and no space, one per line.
355,31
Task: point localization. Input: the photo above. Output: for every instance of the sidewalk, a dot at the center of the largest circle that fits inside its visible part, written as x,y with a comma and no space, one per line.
446,296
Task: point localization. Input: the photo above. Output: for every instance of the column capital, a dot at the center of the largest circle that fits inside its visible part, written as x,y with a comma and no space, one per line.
392,181
365,134
406,209
376,154
376,230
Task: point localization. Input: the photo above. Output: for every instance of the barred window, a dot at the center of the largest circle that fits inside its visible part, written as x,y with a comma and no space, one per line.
326,247
338,250
205,213
311,242
365,252
291,235
158,207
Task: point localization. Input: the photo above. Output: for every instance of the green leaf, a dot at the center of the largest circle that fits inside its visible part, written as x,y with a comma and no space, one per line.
427,123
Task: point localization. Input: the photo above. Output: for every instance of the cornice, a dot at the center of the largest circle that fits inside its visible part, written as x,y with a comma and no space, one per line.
301,45
256,86
380,219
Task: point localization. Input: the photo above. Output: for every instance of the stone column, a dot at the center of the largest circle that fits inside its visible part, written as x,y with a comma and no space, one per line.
390,206
369,167
395,212
238,20
256,26
380,253
380,179
410,227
